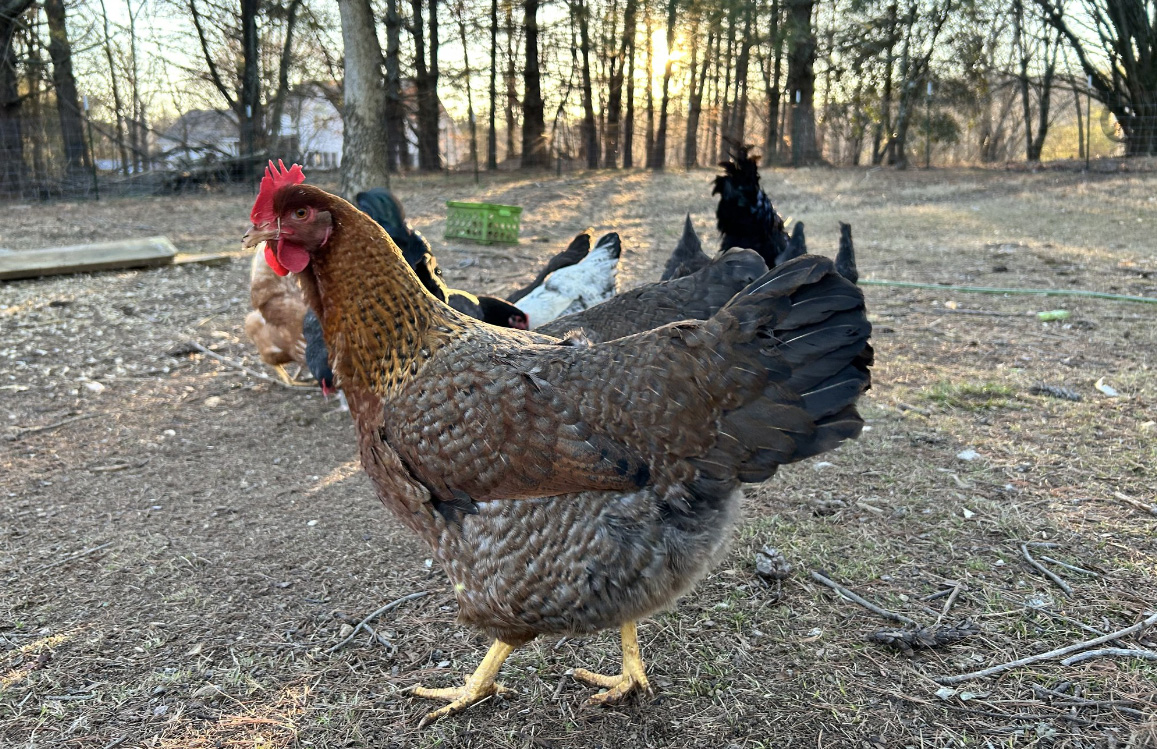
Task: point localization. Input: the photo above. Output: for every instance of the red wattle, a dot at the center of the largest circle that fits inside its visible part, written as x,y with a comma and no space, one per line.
270,258
292,257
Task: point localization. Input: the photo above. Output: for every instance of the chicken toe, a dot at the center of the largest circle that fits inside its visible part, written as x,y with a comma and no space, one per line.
632,679
478,687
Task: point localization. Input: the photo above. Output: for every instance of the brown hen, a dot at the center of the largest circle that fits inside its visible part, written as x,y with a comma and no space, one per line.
275,324
567,487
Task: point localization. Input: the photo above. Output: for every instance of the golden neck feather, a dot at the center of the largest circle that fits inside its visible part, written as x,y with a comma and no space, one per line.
380,322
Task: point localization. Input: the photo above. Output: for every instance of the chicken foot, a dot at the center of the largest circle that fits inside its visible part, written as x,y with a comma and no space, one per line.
633,678
478,687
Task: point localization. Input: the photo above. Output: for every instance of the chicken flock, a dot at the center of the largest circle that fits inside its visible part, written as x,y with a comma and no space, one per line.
587,473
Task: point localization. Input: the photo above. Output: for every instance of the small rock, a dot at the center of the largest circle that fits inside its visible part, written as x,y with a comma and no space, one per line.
771,564
311,523
968,454
345,631
208,692
822,465
94,387
212,401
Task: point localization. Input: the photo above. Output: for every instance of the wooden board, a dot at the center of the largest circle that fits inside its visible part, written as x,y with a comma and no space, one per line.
86,258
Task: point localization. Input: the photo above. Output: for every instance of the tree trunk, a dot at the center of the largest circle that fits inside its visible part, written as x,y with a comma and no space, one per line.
250,114
801,81
12,167
724,102
771,74
118,105
1080,124
534,151
615,94
426,87
364,161
660,156
649,135
138,128
76,157
883,134
590,135
511,84
492,133
1044,101
739,109
286,60
469,96
631,22
695,98
397,149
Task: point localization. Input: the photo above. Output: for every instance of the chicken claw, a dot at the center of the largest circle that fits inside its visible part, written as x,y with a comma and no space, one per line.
633,678
478,687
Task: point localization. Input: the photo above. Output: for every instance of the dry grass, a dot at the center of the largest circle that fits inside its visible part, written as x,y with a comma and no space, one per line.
241,538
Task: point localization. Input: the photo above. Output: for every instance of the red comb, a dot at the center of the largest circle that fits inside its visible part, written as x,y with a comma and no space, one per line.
276,177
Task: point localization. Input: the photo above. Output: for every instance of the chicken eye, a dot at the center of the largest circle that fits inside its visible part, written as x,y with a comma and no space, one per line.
301,213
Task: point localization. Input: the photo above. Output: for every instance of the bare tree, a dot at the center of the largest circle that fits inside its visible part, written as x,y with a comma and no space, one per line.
629,30
534,152
658,158
12,167
460,16
492,133
590,136
1026,49
1123,33
426,86
395,114
801,81
364,154
695,94
76,156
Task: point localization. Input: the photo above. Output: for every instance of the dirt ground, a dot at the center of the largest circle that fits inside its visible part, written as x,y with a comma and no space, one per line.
182,545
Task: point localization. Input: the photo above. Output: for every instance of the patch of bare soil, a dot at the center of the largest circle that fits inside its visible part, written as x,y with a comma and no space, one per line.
182,546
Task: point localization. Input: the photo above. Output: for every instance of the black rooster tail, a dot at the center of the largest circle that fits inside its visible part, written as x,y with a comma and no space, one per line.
316,354
688,255
811,329
846,256
745,215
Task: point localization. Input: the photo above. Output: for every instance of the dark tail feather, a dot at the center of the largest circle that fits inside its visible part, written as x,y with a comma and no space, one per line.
796,246
745,215
688,255
316,354
813,331
846,256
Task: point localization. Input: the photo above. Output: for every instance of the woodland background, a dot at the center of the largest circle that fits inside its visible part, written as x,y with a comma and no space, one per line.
468,84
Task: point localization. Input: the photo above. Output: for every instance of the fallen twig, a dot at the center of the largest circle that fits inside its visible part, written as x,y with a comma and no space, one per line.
362,624
1136,503
1001,668
1072,567
1148,655
238,365
73,556
892,615
1046,571
48,427
951,600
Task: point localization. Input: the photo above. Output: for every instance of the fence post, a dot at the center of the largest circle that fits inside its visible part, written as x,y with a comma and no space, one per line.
91,150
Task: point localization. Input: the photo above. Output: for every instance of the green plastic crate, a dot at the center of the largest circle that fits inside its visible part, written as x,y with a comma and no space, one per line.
483,222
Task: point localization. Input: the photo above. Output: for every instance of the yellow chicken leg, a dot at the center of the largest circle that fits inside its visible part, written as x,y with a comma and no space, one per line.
633,678
478,687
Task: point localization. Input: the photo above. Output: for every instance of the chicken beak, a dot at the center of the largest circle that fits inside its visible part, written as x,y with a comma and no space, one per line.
258,234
